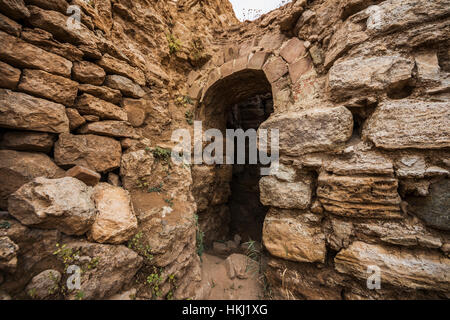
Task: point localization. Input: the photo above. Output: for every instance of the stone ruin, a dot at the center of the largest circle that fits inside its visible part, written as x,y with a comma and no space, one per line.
359,89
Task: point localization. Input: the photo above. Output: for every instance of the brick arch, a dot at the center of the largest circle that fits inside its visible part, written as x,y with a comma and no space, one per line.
235,80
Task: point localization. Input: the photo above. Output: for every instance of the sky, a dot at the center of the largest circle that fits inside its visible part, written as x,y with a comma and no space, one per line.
241,7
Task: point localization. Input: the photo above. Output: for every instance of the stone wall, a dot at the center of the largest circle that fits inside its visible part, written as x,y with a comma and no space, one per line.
86,116
361,96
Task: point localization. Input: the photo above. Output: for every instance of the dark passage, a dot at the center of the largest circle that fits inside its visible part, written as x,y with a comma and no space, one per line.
247,212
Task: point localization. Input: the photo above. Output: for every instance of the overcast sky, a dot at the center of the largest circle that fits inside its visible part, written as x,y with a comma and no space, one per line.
241,6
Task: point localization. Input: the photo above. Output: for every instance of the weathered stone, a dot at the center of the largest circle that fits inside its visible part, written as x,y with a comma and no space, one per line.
275,69
288,195
294,236
56,5
90,105
94,152
75,119
135,166
89,177
114,179
45,40
87,72
115,222
136,115
125,85
411,167
18,168
399,14
406,123
359,197
428,68
434,209
365,75
44,285
56,23
10,26
91,118
312,130
15,9
10,76
115,267
116,66
22,54
104,93
28,141
22,111
360,162
8,255
240,266
399,267
258,60
292,50
49,86
64,204
298,68
110,128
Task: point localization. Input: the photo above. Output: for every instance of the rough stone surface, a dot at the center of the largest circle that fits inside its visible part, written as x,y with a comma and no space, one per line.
8,255
64,204
288,195
94,152
399,267
15,9
75,119
135,166
48,86
434,209
111,128
311,131
409,123
115,66
28,141
365,75
87,72
10,76
18,168
294,236
359,197
22,111
240,266
22,54
116,221
44,285
87,104
89,177
104,93
125,85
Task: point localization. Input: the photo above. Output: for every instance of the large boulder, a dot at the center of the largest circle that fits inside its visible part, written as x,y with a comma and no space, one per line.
115,222
407,123
411,269
22,111
312,130
295,236
64,204
18,168
94,152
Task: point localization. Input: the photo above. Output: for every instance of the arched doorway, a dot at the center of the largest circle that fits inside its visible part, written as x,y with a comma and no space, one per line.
228,195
